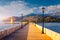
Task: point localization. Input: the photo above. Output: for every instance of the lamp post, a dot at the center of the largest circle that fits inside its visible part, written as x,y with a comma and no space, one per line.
21,20
43,9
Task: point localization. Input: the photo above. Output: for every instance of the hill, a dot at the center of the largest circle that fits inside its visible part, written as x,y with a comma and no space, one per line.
34,18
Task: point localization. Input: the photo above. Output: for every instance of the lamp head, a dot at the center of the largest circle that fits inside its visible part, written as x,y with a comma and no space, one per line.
43,9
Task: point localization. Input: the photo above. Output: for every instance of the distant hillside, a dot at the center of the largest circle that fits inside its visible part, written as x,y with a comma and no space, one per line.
57,14
33,14
39,18
31,19
34,18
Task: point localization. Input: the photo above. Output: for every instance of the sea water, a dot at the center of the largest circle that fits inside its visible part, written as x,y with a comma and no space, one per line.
52,26
4,26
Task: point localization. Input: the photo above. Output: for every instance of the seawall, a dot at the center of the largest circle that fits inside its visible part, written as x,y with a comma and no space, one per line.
11,30
54,35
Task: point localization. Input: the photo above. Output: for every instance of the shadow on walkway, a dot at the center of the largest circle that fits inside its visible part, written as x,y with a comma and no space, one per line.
20,34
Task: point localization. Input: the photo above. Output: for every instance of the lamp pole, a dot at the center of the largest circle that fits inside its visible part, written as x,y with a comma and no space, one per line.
21,20
43,9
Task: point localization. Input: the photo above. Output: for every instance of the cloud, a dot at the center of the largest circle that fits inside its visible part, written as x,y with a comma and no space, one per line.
15,8
50,9
53,9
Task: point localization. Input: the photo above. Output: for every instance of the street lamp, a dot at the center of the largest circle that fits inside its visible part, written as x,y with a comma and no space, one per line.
43,9
21,20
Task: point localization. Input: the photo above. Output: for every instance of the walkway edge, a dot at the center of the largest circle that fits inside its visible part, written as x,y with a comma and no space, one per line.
50,33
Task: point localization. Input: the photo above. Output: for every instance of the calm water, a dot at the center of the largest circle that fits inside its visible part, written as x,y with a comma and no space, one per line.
7,26
52,26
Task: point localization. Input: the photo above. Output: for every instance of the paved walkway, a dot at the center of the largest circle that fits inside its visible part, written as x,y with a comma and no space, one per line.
35,34
29,32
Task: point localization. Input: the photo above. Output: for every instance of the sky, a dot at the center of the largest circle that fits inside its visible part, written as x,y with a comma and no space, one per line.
10,8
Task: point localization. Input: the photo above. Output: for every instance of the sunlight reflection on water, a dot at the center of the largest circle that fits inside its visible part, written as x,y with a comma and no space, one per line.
7,26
